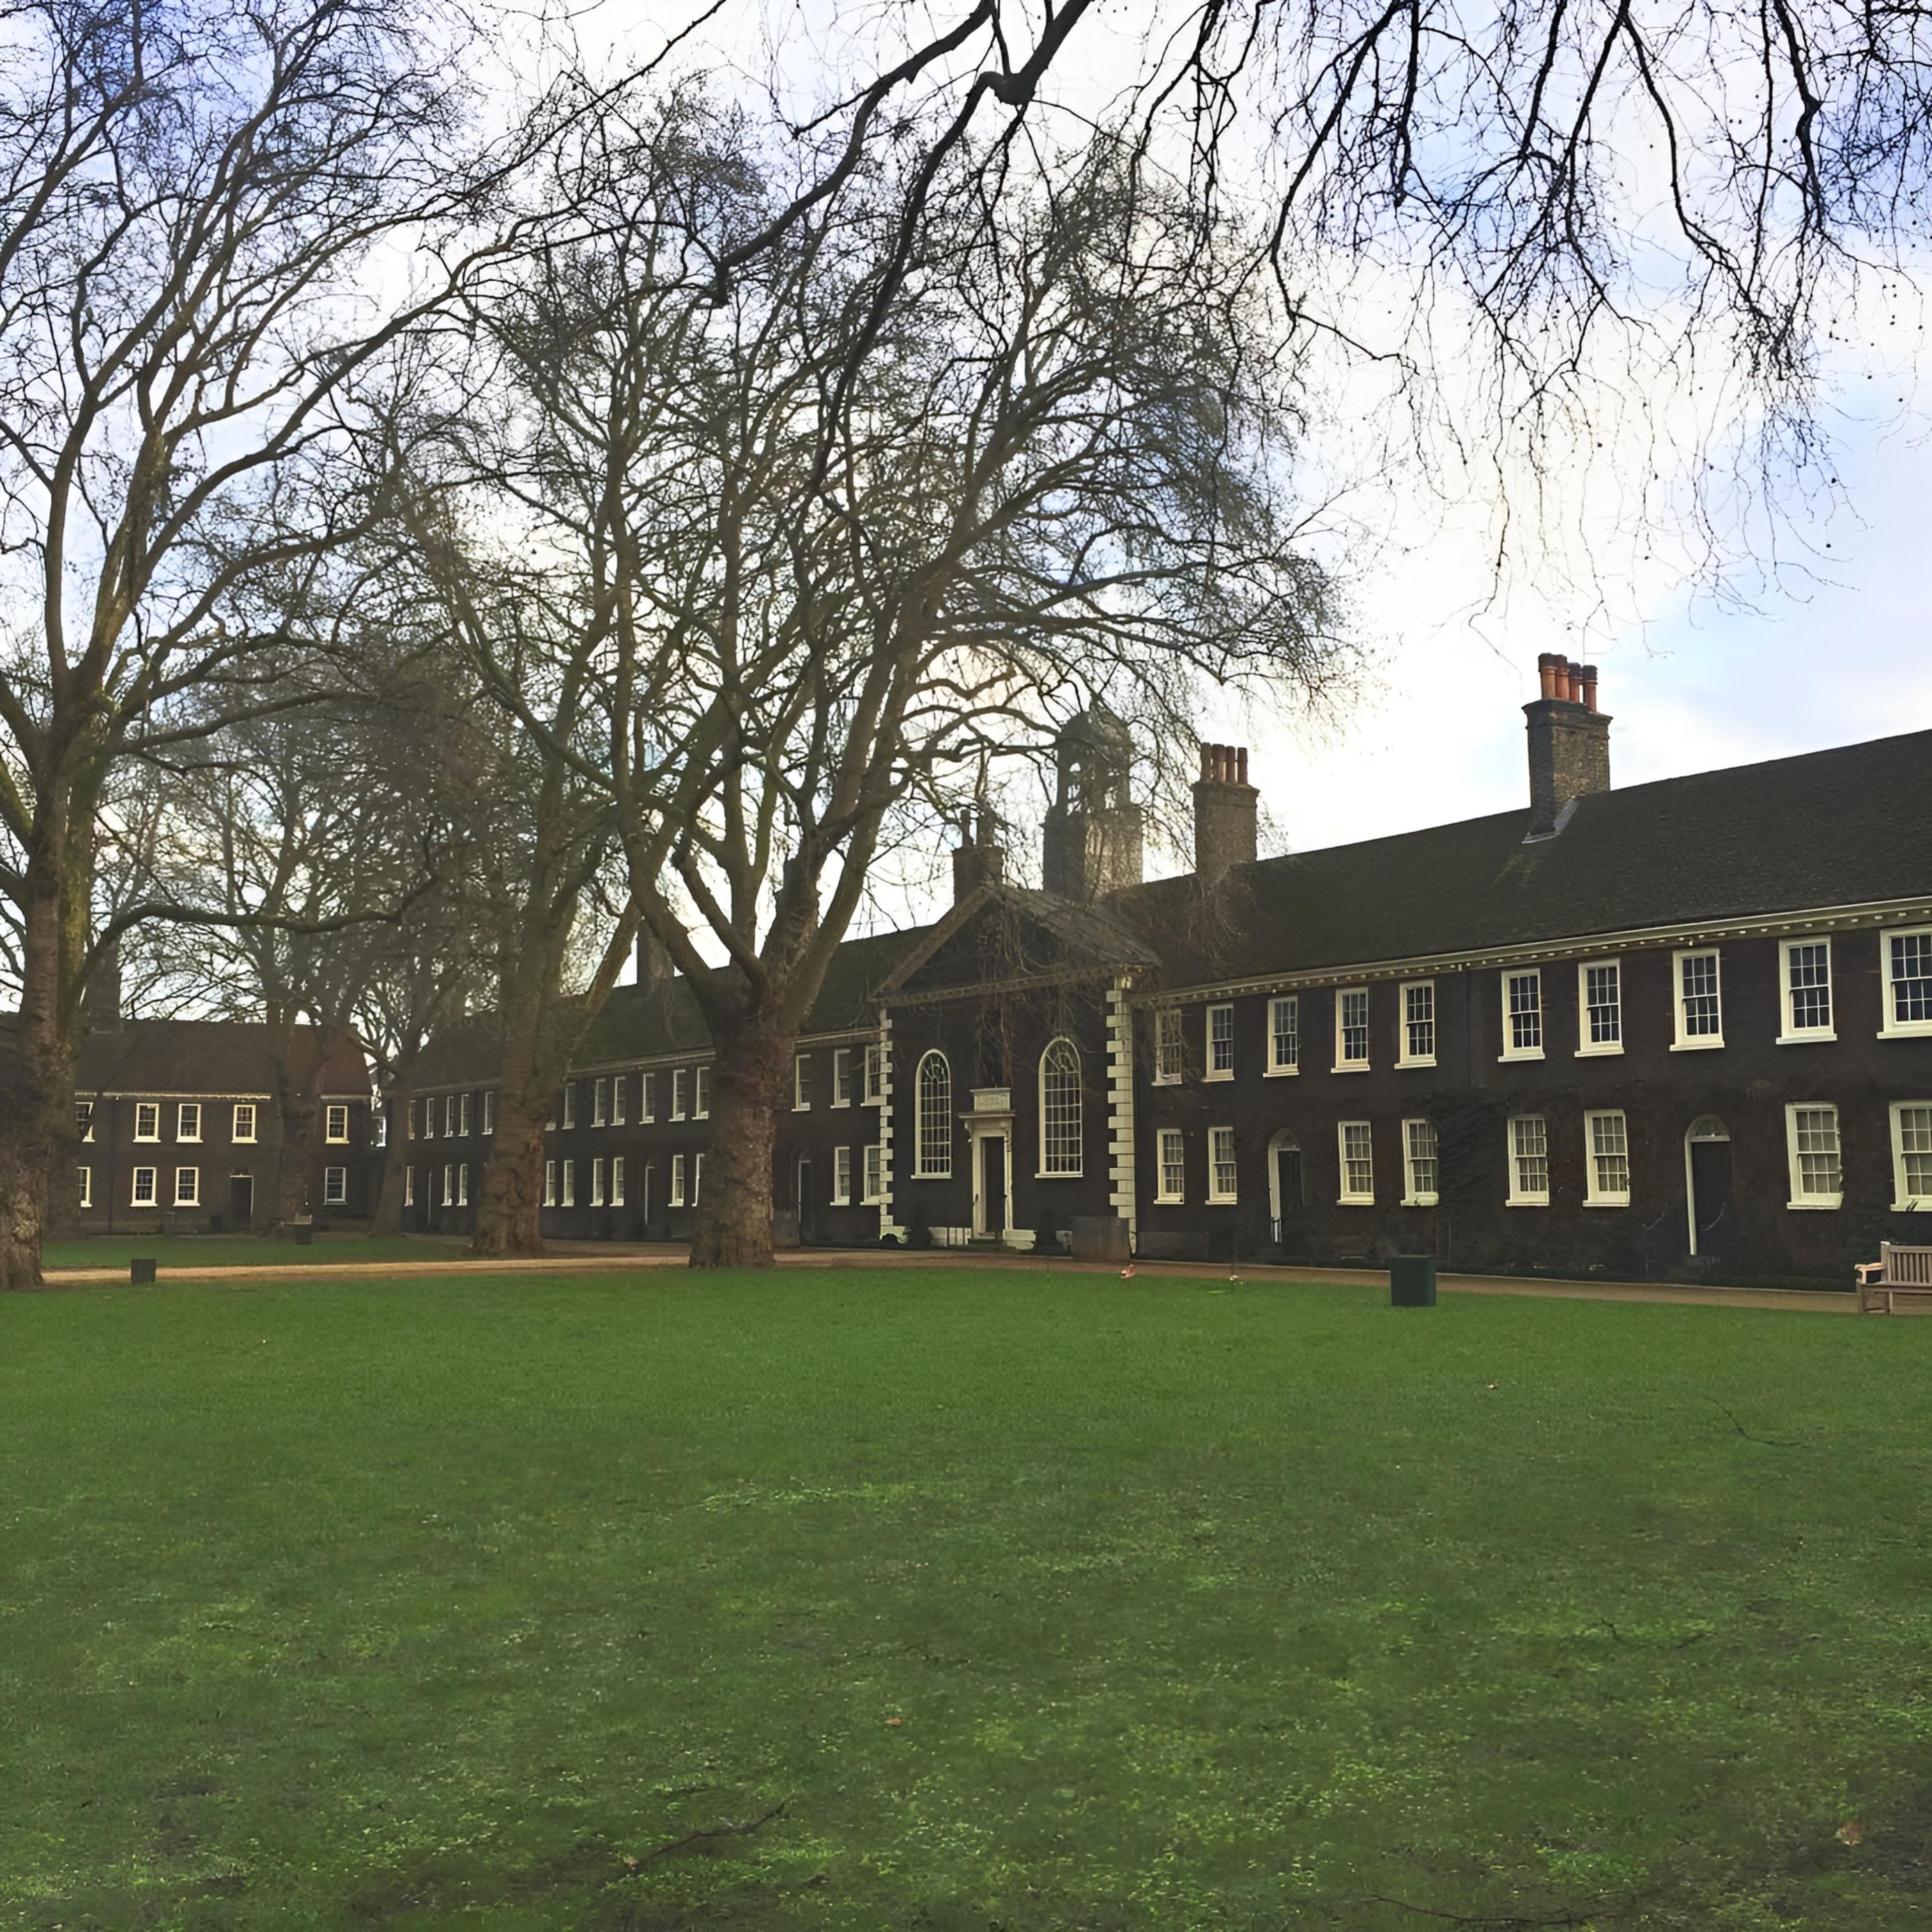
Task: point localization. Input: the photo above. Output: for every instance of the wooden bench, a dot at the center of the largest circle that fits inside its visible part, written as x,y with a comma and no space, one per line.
1898,1270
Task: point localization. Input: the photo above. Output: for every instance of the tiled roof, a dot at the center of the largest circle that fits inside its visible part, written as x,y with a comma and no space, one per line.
1846,827
212,1057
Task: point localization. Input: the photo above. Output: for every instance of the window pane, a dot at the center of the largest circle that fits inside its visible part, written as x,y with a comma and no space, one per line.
1284,1033
1808,970
1702,1020
1603,994
1353,1009
1525,1012
1911,963
1530,1135
935,1116
1060,1109
1419,1021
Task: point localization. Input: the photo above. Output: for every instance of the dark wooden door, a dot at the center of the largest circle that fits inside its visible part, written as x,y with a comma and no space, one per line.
1713,1204
241,1198
806,1214
993,1182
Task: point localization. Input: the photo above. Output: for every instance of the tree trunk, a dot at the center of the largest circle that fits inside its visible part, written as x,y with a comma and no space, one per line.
296,1106
509,1204
386,1217
734,1209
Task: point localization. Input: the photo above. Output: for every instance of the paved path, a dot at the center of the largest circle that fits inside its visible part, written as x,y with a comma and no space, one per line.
604,1257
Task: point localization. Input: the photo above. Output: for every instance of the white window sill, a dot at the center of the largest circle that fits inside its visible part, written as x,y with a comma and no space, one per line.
147,1140
1419,1201
1609,1200
1429,1062
1224,1200
1527,1201
1170,1200
1908,1029
1167,1080
1819,1204
1710,1044
1352,1066
1914,1206
1276,1073
1041,1174
936,1175
1221,1073
250,1142
1816,1037
1356,1200
1600,1050
701,1116
842,1103
1527,1053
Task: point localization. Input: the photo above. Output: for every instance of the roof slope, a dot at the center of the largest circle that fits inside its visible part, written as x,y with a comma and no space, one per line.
214,1057
1844,827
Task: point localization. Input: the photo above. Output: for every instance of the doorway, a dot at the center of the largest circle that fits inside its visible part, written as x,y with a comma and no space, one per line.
806,1219
1284,1172
989,1195
241,1198
1711,1198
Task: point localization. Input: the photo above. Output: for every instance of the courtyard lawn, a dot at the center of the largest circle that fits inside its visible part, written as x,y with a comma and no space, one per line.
875,1599
211,1251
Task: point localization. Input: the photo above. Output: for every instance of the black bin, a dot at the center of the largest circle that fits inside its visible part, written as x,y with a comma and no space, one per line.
140,1273
1411,1281
305,1234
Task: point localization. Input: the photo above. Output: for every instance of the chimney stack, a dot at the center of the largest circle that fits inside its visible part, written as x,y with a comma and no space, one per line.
1569,743
980,861
100,998
1224,812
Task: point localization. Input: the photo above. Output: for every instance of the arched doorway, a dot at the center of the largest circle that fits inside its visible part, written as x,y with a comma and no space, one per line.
1710,1201
1285,1189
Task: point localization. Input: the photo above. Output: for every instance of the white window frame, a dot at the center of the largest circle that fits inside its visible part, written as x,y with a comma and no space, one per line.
680,1095
841,1076
570,1103
1171,1166
597,1180
463,1115
700,1107
1892,1028
1413,1195
647,1098
152,1177
1587,1047
1682,1040
449,1114
1343,994
841,1177
1509,979
874,1180
448,1185
1278,1067
429,1118
932,1127
379,1123
191,1197
1790,1033
1595,1196
1803,1200
85,1184
1224,1177
617,1180
568,1197
676,1197
874,1095
187,1120
801,1083
697,1177
550,1183
408,1186
600,1101
1903,1201
335,1187
1520,1196
1170,1046
489,1110
1346,1197
1407,1023
335,1125
1218,1042
620,1099
1046,1171
147,1119
83,1121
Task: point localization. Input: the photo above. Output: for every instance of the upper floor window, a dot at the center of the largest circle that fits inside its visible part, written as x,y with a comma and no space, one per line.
570,1103
1811,1142
1284,1034
1908,981
600,1107
1356,1139
1523,1015
1912,1156
1171,1183
1220,1043
335,1125
452,1113
147,1121
1222,1174
429,1118
489,1110
647,1097
801,1084
1421,1162
1600,1007
462,1113
187,1120
680,1079
620,1087
1418,1023
1700,1009
1529,1161
1169,1050
1060,1138
934,1155
1805,966
379,1125
1352,1030
841,1080
83,1121
700,1108
875,1073
1606,1172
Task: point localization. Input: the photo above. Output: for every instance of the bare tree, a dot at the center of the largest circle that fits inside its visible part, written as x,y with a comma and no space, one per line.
196,198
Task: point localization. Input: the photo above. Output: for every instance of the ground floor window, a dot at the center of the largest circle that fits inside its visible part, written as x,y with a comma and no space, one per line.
1221,1170
1811,1140
449,1185
1529,1161
569,1199
550,1183
875,1173
463,1184
1419,1147
841,1177
697,1177
409,1187
677,1181
616,1181
1356,1141
142,1194
597,1182
1607,1177
335,1186
187,1187
1173,1164
86,1177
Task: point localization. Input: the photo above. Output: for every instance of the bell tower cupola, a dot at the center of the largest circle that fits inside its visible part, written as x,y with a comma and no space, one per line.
1094,828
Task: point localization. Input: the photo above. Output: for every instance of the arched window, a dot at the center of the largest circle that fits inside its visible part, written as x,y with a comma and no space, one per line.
1060,1109
934,1156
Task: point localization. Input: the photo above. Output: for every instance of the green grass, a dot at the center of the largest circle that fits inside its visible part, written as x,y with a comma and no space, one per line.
209,1251
432,1604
